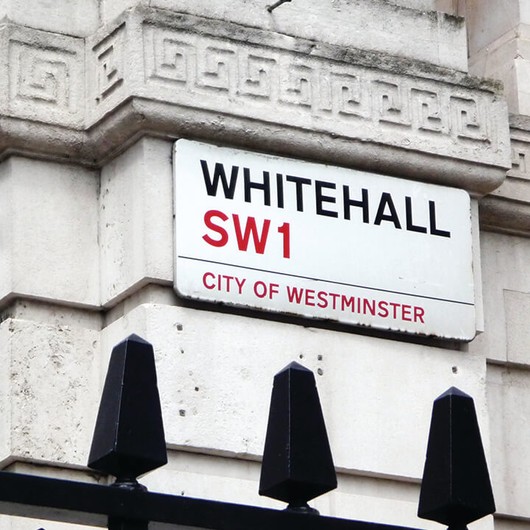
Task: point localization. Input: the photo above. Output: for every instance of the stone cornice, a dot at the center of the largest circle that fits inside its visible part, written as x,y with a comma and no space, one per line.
507,209
153,72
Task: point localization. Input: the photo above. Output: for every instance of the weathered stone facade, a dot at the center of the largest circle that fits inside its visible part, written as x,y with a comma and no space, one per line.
93,96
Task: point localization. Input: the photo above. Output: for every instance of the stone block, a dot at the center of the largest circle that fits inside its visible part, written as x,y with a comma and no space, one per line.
509,402
421,5
497,61
44,77
488,20
112,9
49,395
82,15
215,374
506,288
191,75
505,59
447,6
255,76
136,220
48,228
507,209
499,43
517,311
406,32
503,522
524,12
112,67
522,69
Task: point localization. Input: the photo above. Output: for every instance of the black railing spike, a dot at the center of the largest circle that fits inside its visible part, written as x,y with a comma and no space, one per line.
456,488
129,434
297,463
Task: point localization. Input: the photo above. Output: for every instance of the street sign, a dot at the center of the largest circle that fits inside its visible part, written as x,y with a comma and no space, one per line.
284,235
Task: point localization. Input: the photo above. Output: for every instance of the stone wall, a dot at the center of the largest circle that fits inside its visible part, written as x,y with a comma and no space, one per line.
93,96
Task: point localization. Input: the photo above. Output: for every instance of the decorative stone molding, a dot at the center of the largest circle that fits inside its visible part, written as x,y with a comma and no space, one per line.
173,75
43,76
404,29
508,208
109,64
312,92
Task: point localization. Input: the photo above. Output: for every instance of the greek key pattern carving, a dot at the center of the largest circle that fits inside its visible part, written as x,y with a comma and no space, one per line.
173,62
390,104
40,77
469,120
258,76
304,88
427,111
109,64
349,96
520,159
298,83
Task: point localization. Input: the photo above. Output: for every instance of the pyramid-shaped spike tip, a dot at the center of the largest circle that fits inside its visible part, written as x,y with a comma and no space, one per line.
453,391
456,488
294,366
135,338
297,463
129,435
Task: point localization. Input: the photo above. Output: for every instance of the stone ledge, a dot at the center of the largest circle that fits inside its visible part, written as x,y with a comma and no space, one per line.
414,32
154,72
42,76
505,215
138,117
507,209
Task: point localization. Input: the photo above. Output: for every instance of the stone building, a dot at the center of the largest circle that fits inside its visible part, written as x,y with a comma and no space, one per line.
94,95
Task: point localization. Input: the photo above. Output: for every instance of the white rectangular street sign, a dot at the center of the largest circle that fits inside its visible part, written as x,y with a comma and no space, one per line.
300,238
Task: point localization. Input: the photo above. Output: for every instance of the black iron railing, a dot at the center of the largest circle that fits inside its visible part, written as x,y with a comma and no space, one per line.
297,463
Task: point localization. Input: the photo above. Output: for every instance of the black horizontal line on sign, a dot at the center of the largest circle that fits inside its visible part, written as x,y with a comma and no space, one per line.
326,281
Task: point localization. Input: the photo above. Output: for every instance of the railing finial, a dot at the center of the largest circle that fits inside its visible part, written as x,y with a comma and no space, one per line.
297,463
129,435
456,488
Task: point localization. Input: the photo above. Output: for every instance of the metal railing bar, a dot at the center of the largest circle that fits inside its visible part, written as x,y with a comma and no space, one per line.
92,504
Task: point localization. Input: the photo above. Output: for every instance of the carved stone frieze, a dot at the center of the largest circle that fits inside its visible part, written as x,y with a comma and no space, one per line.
169,74
43,76
507,209
109,64
312,92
